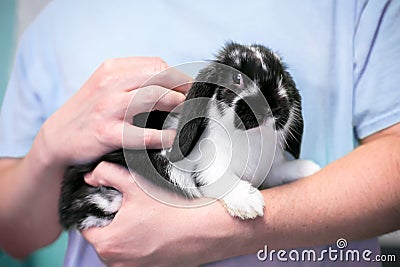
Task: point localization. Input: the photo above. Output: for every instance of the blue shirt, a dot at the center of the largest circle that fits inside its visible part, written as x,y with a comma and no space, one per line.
344,57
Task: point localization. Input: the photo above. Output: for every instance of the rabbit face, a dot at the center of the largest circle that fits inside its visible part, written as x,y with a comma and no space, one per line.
253,82
257,85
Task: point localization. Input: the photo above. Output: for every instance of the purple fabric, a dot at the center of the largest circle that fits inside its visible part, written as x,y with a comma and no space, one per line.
82,254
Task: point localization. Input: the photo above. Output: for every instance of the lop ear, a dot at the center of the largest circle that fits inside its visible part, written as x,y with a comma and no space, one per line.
295,136
294,142
193,118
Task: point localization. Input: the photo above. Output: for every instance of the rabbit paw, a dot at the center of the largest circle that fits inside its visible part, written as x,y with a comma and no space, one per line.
244,201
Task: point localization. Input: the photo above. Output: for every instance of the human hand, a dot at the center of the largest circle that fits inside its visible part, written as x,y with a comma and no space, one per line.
146,232
91,123
137,235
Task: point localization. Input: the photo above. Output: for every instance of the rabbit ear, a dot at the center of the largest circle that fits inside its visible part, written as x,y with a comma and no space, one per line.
294,138
193,120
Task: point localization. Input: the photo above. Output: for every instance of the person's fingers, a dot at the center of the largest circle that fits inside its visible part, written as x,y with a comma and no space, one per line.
140,138
110,174
171,78
89,179
151,98
128,73
134,72
168,100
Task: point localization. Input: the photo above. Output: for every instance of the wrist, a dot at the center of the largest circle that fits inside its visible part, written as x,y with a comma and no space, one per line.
46,151
220,236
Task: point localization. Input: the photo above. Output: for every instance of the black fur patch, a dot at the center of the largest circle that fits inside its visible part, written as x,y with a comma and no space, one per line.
251,111
194,117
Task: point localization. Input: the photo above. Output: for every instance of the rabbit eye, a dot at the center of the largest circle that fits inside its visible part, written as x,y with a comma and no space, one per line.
237,79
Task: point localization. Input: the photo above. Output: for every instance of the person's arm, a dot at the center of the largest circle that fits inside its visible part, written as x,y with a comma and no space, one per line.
356,197
89,125
28,203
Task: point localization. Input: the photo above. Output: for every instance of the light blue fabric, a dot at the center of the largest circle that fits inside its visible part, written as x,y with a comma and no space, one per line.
343,55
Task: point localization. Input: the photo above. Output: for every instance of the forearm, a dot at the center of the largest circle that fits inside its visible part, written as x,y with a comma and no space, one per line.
28,207
355,197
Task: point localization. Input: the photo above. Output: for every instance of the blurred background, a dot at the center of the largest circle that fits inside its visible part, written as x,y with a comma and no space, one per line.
15,16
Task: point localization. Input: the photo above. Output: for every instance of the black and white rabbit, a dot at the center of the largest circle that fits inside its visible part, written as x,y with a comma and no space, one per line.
239,120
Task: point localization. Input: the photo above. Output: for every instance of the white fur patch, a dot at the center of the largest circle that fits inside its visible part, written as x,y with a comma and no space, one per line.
183,179
104,204
239,156
235,55
258,55
93,221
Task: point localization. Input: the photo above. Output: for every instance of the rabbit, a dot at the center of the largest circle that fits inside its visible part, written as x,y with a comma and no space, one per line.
240,129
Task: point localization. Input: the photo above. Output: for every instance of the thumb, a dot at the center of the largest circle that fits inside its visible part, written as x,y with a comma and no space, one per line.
111,175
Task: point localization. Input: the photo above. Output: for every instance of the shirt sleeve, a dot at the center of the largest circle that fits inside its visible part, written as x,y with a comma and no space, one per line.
377,67
24,106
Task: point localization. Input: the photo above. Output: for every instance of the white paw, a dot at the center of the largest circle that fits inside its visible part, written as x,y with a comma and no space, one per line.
244,201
